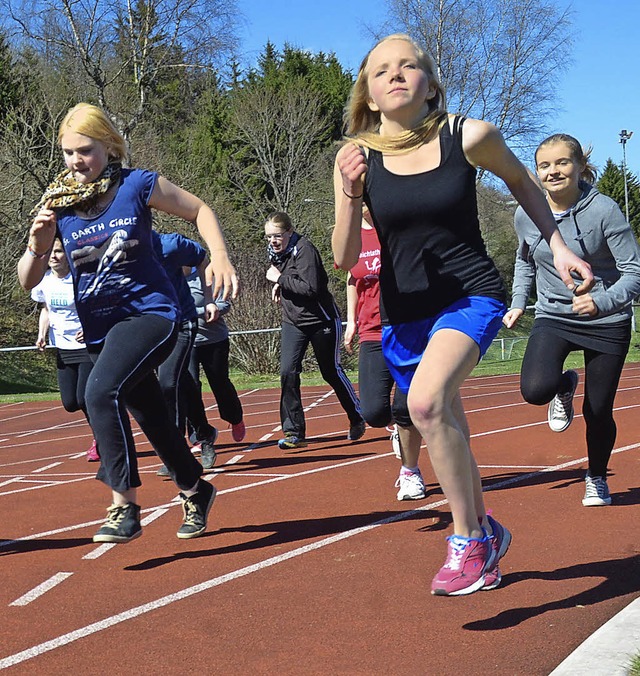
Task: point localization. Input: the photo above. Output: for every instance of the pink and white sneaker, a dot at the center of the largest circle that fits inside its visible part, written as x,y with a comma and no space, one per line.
463,571
238,431
92,453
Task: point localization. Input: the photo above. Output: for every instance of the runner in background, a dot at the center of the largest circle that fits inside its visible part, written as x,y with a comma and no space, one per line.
174,251
59,319
374,379
309,315
211,351
597,323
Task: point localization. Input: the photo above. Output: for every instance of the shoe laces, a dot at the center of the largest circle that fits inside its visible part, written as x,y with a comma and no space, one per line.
562,405
115,515
457,546
414,478
596,487
190,510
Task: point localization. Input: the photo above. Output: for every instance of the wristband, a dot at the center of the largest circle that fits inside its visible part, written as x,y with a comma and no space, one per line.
34,254
351,197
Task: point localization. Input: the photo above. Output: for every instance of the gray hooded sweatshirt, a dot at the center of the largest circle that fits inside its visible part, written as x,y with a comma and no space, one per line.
594,229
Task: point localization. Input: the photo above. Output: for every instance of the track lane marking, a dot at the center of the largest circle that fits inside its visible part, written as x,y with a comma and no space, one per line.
137,611
107,546
41,589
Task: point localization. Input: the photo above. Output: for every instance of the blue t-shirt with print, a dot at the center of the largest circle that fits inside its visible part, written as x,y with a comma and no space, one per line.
175,251
116,273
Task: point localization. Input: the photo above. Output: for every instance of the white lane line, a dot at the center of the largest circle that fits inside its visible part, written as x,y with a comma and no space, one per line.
541,422
133,613
79,526
257,474
46,485
15,479
66,529
46,467
108,546
231,461
41,589
540,467
234,460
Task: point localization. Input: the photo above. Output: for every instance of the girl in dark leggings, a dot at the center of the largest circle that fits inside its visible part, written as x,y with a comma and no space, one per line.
598,323
59,319
374,377
127,306
309,316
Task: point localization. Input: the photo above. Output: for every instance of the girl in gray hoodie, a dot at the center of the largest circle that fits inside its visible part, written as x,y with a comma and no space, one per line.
597,322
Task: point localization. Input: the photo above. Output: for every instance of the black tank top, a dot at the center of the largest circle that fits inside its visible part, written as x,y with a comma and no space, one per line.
432,251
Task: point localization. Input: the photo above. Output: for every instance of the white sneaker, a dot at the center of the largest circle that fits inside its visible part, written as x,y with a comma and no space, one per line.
560,412
596,492
411,486
395,441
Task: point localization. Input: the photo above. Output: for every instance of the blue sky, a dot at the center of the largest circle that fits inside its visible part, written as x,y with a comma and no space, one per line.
599,95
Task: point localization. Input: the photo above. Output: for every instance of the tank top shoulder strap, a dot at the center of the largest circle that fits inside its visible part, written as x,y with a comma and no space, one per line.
456,137
458,121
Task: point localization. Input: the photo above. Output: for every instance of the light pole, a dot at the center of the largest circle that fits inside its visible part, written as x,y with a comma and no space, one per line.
624,137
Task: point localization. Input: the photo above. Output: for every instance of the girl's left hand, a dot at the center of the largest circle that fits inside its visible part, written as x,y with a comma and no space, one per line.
566,262
275,293
584,305
211,313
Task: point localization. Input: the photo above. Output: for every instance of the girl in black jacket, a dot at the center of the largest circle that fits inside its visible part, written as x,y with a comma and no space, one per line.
309,315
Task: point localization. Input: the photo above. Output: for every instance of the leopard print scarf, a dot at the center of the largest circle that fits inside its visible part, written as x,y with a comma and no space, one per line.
64,191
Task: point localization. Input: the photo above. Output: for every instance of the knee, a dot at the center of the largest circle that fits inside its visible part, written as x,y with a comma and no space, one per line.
535,394
402,417
379,416
71,406
425,413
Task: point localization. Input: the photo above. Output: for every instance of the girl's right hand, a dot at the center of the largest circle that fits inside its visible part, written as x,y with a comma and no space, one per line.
511,318
43,229
352,164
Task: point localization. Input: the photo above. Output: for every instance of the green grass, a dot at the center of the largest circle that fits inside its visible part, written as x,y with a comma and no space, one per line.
28,375
634,666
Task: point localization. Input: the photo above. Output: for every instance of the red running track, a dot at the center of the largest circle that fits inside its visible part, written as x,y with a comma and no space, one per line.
310,565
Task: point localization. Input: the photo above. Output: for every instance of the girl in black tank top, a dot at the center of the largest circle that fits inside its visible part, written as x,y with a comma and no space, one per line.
419,183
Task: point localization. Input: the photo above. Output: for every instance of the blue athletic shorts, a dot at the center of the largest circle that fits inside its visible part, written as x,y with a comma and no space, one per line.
403,345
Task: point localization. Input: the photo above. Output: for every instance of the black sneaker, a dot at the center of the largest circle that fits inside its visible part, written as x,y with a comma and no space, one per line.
356,431
196,510
207,452
122,525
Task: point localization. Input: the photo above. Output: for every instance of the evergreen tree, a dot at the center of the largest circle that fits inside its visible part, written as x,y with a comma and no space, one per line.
611,183
9,81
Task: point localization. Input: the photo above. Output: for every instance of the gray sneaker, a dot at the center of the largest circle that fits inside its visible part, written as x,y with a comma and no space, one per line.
560,412
596,492
208,454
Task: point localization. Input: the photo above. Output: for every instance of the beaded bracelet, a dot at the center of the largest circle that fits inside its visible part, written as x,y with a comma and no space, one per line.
34,254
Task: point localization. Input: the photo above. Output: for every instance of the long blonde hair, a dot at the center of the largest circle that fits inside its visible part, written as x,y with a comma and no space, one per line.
362,124
89,120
